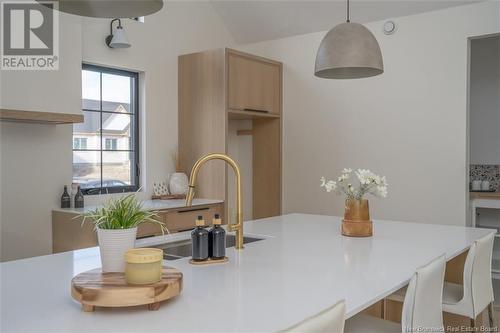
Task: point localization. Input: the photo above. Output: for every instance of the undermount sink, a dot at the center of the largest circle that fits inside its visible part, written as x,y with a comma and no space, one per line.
181,249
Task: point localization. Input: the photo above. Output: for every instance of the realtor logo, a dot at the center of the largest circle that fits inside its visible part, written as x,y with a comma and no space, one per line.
29,35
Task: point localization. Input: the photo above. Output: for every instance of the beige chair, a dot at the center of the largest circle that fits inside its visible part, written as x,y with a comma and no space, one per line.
476,294
422,306
330,320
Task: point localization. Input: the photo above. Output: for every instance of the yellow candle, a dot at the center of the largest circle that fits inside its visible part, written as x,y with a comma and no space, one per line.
143,266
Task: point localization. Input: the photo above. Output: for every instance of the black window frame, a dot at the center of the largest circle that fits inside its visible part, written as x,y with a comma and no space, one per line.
134,114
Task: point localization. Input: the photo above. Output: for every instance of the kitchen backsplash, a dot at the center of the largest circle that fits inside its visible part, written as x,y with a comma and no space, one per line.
486,172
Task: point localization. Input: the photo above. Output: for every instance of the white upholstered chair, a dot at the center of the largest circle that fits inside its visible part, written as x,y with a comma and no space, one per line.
472,298
330,320
422,306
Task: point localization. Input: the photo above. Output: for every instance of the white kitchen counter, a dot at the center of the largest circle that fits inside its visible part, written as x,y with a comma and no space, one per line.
301,267
150,204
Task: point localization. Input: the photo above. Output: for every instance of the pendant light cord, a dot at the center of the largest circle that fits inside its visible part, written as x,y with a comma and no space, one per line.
348,13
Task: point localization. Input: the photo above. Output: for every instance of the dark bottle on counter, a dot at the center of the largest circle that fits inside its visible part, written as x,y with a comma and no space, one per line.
217,239
65,198
79,198
199,240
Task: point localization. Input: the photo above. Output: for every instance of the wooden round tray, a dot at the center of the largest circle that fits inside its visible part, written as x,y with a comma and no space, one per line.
95,288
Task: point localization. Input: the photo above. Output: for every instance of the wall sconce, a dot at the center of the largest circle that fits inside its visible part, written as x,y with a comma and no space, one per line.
118,39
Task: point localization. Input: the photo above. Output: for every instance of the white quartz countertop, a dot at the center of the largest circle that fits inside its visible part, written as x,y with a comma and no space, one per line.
150,204
302,266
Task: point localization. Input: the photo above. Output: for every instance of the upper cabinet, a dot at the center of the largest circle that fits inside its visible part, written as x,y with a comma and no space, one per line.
230,102
253,83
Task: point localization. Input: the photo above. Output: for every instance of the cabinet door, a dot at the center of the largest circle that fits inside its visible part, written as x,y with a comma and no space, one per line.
254,84
184,218
149,229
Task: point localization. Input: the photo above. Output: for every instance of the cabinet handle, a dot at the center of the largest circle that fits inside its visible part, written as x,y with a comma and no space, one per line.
193,210
255,110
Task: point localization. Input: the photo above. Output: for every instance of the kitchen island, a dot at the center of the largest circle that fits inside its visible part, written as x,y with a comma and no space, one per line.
301,266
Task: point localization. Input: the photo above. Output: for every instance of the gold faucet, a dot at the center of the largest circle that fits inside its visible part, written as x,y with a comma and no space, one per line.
238,227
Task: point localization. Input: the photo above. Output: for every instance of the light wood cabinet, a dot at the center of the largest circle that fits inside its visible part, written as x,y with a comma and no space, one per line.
253,84
184,219
218,88
68,232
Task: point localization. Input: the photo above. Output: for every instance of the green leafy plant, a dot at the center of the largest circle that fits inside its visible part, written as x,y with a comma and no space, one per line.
123,213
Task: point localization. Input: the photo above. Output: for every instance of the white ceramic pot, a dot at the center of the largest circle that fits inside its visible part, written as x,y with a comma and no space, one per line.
113,243
178,184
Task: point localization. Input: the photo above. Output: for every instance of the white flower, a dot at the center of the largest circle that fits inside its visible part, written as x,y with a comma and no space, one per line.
381,191
343,177
323,181
365,176
329,185
369,183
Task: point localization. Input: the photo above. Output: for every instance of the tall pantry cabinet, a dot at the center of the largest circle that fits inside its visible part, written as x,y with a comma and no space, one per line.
231,102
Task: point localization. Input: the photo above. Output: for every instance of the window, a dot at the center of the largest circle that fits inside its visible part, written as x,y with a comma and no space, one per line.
111,144
79,143
105,145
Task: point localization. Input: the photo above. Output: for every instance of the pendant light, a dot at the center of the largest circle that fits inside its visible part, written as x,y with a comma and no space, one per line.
109,8
348,51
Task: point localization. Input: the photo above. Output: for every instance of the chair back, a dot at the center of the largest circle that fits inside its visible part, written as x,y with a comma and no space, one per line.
422,306
477,274
330,320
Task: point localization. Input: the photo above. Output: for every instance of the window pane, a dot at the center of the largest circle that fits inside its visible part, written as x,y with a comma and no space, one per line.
87,169
116,131
91,90
86,135
116,169
116,93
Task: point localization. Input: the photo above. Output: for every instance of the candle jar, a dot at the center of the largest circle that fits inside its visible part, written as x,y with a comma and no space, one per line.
143,265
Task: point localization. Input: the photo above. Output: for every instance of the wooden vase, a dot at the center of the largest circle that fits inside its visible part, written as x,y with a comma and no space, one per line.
356,222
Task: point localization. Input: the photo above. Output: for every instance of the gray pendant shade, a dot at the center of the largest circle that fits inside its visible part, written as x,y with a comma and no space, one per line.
110,8
348,51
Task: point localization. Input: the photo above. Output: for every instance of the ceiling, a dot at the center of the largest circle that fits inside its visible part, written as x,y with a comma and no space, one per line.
254,21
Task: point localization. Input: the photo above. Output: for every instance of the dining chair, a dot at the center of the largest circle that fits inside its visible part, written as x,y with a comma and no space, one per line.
422,306
330,320
476,293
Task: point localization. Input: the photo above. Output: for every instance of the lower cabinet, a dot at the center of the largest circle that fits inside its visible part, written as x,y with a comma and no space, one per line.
68,232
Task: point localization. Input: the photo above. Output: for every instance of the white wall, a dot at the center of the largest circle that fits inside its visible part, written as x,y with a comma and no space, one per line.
36,159
485,101
408,124
49,91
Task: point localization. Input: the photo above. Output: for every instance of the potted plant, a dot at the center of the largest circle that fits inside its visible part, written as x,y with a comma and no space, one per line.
356,220
116,225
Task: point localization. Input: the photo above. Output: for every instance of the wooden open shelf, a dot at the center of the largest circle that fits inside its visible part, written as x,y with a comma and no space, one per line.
243,114
39,117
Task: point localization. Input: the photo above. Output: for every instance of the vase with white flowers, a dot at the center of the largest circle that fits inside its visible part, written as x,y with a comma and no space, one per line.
356,222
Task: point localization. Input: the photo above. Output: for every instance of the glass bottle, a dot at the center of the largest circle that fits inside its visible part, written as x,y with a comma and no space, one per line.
217,239
65,198
79,201
199,241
